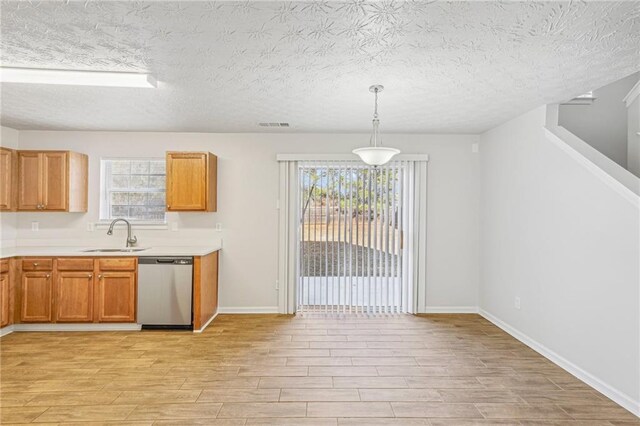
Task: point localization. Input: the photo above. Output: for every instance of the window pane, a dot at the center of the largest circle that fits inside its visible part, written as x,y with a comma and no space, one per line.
119,198
156,199
157,168
119,211
120,181
137,198
139,181
157,182
139,167
133,189
120,167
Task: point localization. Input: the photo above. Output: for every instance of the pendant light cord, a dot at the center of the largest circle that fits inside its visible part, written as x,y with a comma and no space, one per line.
376,121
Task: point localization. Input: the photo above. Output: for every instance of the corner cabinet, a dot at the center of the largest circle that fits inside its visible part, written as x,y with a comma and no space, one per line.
8,179
52,181
192,182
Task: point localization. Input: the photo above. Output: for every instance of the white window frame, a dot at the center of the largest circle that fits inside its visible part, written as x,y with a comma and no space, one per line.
104,194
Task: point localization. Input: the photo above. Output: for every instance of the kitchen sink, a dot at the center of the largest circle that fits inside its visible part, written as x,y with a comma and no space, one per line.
114,250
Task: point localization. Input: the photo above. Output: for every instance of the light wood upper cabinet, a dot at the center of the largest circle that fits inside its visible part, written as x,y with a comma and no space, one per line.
74,296
8,179
5,307
192,181
52,180
30,180
36,296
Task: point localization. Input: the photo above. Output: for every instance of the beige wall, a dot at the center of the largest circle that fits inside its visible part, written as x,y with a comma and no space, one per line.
564,242
248,188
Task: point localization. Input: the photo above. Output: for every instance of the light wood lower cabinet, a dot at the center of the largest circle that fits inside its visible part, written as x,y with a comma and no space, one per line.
77,290
74,296
5,307
36,297
116,301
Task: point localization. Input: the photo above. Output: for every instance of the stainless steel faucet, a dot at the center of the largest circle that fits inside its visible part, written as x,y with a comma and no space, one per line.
131,240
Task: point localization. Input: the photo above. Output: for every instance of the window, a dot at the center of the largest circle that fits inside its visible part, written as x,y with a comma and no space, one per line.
133,188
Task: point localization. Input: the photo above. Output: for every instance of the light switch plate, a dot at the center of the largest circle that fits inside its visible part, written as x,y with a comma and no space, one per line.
35,226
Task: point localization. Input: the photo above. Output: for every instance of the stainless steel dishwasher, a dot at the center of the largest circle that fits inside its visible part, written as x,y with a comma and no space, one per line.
165,290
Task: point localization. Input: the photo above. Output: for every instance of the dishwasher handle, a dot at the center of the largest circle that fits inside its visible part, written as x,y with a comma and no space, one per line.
165,260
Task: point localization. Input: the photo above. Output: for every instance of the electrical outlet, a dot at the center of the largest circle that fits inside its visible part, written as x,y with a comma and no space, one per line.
174,226
218,227
516,303
475,147
35,226
90,227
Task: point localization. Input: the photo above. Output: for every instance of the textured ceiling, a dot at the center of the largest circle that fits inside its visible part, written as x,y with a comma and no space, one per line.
225,66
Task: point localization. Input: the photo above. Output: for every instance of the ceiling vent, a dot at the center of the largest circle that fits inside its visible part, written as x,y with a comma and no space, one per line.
273,124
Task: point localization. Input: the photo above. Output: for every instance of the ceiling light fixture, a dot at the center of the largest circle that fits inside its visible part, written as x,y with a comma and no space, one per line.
77,78
375,154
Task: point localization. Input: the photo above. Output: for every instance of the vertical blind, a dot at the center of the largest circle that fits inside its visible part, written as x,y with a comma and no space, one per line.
353,225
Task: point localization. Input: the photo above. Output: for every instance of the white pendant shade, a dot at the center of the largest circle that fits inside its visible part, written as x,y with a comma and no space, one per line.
376,155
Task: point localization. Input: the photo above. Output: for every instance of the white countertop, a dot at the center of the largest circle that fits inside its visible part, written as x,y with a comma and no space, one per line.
80,251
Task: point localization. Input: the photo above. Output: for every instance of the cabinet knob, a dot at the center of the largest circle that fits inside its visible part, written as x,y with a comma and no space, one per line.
35,264
90,275
100,276
48,275
168,206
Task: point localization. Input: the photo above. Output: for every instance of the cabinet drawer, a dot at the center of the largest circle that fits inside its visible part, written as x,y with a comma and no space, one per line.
4,265
35,264
117,264
74,264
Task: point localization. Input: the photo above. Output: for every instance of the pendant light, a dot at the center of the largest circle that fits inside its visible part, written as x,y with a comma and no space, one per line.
375,154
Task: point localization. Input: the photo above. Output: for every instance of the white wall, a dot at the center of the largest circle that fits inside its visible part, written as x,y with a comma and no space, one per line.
602,124
8,220
567,244
248,188
633,136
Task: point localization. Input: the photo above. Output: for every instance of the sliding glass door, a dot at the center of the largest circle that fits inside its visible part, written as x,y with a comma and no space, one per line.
351,250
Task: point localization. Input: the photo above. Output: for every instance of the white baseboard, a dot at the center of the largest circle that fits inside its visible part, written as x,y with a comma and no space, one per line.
450,310
73,327
618,397
248,310
6,330
206,324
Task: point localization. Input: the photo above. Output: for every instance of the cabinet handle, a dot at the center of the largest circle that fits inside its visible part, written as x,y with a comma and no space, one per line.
35,264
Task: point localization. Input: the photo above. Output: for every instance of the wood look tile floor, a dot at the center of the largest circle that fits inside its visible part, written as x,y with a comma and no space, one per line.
284,370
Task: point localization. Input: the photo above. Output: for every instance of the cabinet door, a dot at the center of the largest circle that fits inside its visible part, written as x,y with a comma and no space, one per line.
54,180
74,296
186,181
4,299
6,179
29,181
36,297
116,301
